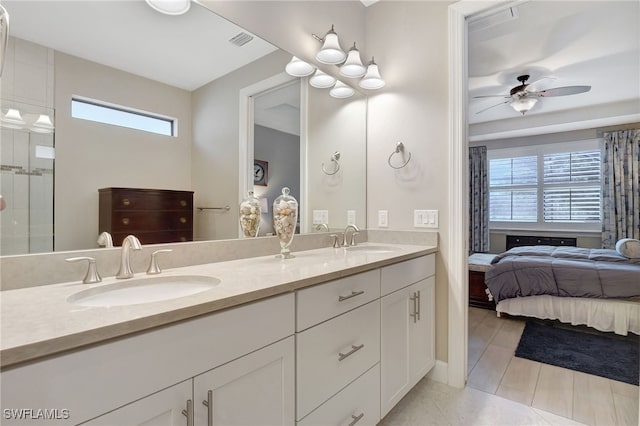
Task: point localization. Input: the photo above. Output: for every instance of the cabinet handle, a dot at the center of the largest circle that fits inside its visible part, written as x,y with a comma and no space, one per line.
356,419
209,404
353,294
353,350
414,314
418,305
125,221
188,413
125,202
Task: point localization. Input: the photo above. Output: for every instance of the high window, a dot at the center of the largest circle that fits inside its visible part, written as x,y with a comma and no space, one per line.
551,187
103,112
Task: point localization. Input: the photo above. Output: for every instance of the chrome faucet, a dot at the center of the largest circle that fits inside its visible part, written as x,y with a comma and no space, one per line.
322,226
105,240
129,243
353,235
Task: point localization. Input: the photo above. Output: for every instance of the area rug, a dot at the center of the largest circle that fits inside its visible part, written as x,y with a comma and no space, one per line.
602,354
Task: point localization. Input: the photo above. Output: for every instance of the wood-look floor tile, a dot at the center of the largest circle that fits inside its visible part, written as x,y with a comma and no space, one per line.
488,372
626,409
623,388
554,392
509,334
520,380
593,400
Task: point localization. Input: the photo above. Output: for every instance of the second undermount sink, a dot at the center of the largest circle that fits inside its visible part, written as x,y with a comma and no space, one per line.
143,290
371,249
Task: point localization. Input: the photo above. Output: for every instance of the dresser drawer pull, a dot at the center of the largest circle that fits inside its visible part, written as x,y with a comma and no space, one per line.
125,221
356,419
353,350
183,203
183,220
353,294
125,202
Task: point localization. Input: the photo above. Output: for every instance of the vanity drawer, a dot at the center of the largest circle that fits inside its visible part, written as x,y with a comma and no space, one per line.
325,301
395,277
333,354
359,401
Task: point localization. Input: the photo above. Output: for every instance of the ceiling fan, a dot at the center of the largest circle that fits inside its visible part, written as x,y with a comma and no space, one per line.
523,97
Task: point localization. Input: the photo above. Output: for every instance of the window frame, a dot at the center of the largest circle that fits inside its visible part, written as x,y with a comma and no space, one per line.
540,151
172,121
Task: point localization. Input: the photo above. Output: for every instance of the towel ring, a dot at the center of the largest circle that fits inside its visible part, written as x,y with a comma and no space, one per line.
399,149
334,159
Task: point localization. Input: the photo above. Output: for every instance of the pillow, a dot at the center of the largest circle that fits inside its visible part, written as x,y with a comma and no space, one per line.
629,248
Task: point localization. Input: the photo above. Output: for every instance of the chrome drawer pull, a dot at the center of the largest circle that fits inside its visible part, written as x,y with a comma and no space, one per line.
356,419
353,294
418,304
353,350
415,314
188,413
209,404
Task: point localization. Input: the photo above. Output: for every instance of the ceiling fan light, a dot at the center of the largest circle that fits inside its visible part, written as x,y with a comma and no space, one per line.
524,104
321,80
299,68
341,90
331,53
353,67
170,7
372,79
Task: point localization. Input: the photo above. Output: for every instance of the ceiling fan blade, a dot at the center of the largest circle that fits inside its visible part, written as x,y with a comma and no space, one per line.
562,91
492,96
531,87
493,106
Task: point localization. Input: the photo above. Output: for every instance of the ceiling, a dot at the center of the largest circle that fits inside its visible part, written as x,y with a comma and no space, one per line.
594,43
185,51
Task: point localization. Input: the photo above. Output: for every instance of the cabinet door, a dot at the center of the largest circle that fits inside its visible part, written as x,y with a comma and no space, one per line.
163,408
257,389
408,345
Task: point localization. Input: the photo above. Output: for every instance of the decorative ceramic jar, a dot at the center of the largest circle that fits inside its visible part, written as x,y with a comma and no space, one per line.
250,216
285,217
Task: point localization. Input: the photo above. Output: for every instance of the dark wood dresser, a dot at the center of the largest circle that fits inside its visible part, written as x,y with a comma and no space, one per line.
154,216
478,265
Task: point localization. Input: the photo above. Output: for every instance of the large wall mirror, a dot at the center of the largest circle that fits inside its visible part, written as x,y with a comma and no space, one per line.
190,68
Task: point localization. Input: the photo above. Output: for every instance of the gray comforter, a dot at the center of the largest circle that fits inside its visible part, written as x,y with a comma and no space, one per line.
562,271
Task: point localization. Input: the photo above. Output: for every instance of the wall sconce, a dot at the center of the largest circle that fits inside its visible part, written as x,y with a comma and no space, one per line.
170,7
43,124
341,90
353,67
330,53
321,80
13,119
299,68
372,79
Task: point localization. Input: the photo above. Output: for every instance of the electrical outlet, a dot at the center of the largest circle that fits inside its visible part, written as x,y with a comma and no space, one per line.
351,217
383,218
320,216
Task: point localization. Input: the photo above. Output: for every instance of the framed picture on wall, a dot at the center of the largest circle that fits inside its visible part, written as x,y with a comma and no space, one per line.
260,172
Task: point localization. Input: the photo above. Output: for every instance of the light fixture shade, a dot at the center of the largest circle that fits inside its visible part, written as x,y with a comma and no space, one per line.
372,79
321,80
331,52
43,124
13,119
353,67
170,7
524,104
341,90
299,68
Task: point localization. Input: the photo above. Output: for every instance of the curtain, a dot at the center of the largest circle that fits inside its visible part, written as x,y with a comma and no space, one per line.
621,186
478,200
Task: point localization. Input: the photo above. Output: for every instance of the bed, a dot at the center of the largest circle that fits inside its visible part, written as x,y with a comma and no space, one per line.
599,288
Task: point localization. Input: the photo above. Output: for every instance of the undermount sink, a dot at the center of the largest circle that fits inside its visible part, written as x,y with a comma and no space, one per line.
371,249
143,290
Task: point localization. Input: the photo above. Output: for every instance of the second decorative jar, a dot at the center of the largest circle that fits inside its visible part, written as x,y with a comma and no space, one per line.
250,216
285,217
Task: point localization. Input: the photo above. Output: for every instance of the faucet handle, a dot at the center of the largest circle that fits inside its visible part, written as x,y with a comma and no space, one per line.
153,264
336,242
92,275
353,239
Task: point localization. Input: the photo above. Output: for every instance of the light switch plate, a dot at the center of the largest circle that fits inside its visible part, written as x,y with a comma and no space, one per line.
351,217
383,218
425,218
320,216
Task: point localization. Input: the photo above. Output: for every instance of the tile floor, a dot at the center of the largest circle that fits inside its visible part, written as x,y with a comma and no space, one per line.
505,390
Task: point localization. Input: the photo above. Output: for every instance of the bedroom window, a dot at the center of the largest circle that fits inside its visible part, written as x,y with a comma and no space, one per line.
545,187
103,112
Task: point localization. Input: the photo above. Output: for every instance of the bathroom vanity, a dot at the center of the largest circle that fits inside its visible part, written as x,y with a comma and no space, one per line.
331,337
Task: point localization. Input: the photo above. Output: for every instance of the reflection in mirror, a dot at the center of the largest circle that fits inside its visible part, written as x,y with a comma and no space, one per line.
179,67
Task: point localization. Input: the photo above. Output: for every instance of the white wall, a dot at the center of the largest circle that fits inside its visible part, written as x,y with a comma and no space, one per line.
91,155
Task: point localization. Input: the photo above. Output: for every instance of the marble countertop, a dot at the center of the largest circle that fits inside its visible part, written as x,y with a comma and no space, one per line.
39,321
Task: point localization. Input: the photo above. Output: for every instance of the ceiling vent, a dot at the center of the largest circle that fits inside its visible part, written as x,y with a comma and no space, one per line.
241,39
481,21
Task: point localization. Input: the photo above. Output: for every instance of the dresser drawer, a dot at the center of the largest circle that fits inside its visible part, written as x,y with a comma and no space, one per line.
152,200
395,277
333,354
325,301
152,220
359,401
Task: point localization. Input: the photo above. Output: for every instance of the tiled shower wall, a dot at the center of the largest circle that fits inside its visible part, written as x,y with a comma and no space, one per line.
26,163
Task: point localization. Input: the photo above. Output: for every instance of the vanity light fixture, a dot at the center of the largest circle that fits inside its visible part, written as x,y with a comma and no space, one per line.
523,104
170,7
341,90
13,119
372,79
353,67
43,124
299,68
322,80
331,53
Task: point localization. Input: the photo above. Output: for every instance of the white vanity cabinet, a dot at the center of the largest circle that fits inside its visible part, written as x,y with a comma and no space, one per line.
219,350
407,327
